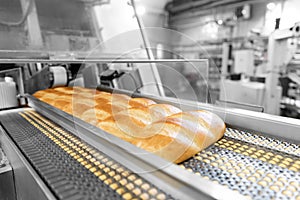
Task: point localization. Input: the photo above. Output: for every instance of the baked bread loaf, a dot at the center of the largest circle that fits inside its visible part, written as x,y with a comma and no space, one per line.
161,129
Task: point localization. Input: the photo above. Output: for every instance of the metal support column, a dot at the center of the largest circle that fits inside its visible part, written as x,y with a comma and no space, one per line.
149,51
274,56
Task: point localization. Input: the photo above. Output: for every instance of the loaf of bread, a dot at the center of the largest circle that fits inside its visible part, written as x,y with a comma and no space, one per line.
161,129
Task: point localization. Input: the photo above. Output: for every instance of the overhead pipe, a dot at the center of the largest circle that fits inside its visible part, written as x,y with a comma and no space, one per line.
200,12
185,6
204,5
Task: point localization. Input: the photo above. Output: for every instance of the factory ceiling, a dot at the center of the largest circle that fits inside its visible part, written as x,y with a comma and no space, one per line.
176,7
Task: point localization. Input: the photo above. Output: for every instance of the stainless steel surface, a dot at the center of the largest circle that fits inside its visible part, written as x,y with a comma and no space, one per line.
7,189
265,124
14,54
170,178
21,87
27,182
243,106
87,60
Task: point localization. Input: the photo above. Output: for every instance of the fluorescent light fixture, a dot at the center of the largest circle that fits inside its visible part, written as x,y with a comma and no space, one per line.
140,10
244,12
220,22
271,6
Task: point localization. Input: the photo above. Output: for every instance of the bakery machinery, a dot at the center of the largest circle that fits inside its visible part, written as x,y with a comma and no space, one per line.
268,85
289,78
55,155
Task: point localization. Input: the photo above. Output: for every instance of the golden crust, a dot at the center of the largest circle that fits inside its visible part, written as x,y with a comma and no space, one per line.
172,149
160,111
60,103
140,102
110,126
66,90
48,100
41,93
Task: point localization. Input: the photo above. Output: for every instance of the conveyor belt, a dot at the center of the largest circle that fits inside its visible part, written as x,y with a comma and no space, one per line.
71,168
251,164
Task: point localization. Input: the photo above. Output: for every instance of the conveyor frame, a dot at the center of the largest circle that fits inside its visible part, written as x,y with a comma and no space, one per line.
169,177
199,184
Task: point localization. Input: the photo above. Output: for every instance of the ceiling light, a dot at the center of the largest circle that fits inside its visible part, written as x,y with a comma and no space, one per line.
244,12
220,22
271,6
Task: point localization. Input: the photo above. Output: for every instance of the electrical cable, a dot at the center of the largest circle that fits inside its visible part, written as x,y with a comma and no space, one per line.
22,20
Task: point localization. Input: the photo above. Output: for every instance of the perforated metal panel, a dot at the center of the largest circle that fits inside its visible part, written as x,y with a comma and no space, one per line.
253,165
267,142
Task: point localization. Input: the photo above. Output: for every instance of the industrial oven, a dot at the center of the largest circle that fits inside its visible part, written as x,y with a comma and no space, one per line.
57,156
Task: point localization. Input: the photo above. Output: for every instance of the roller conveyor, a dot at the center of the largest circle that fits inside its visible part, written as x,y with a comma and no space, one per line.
69,166
243,163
